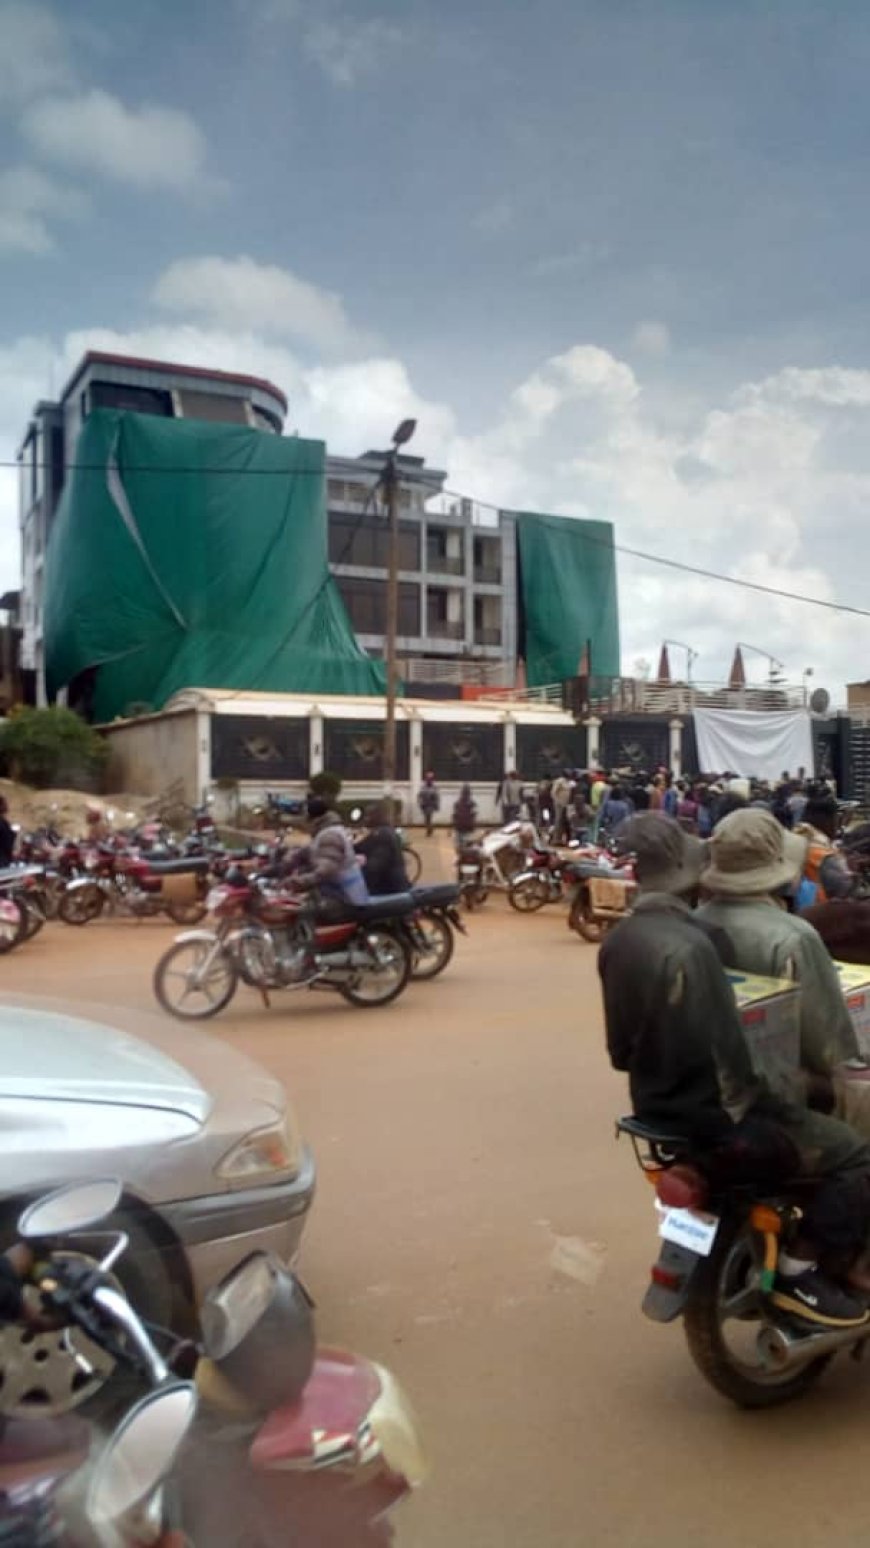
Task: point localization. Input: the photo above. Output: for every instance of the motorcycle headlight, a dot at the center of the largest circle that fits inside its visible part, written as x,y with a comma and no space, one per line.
264,1154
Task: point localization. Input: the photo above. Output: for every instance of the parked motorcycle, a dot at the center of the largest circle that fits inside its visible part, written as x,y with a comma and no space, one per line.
126,883
601,895
718,1256
488,864
266,938
22,886
542,880
273,1441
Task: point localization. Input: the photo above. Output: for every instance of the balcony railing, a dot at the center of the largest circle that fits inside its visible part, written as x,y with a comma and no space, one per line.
442,564
488,636
491,674
632,695
487,574
445,629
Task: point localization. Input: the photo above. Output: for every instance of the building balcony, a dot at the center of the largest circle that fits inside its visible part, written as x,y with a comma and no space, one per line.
487,575
445,629
490,635
440,564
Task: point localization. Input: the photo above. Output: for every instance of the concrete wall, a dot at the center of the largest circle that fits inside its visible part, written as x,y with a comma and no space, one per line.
149,755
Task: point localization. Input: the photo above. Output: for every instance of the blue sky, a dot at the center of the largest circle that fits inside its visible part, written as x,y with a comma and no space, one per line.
612,254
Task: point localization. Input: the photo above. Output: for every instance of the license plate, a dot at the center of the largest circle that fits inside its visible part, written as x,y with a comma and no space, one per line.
691,1228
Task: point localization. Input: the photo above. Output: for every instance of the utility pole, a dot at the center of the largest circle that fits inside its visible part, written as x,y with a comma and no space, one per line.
390,484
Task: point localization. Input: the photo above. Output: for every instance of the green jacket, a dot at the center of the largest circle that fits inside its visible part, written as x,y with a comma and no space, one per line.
765,939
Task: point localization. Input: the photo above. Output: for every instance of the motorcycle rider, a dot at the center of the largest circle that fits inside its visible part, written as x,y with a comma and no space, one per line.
329,862
825,871
753,860
382,853
672,1025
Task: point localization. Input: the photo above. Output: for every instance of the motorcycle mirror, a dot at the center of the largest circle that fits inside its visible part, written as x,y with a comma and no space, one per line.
137,1459
72,1208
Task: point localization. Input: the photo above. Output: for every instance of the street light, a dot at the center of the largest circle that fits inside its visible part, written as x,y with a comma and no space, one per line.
390,484
691,657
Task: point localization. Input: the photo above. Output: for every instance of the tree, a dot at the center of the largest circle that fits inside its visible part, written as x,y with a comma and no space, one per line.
54,746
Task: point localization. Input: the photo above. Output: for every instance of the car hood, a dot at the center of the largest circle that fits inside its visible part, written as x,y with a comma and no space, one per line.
77,1062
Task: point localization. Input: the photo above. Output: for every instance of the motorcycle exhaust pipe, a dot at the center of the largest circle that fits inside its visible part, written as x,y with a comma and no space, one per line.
783,1349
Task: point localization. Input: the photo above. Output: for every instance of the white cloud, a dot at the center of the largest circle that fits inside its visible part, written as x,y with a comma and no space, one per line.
652,338
28,198
239,293
34,57
148,146
771,485
348,50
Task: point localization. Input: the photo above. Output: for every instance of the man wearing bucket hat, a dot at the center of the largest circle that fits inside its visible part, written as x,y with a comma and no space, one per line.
754,861
672,1025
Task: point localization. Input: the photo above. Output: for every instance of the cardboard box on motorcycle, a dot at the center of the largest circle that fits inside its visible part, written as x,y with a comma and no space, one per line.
769,1010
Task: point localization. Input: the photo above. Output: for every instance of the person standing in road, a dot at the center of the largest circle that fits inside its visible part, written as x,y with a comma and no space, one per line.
429,801
464,817
7,834
510,797
563,791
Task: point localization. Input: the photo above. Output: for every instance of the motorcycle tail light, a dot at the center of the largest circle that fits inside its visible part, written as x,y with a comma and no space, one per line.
681,1187
669,1279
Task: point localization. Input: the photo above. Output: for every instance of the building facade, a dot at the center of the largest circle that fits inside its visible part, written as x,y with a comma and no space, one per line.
457,572
49,446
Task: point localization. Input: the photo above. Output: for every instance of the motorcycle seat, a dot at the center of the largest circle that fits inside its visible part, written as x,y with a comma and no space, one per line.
193,865
393,905
445,895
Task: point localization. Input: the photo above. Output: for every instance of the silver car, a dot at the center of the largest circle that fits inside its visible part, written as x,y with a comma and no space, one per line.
204,1140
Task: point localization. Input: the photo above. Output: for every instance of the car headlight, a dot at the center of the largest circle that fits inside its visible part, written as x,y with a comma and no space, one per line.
263,1154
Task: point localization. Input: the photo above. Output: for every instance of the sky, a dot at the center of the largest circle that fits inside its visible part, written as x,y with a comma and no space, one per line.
611,254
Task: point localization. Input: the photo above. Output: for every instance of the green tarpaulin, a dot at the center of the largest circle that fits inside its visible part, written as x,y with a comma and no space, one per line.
187,554
567,593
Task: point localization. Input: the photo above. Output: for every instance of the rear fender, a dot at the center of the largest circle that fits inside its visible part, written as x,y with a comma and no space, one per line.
208,936
668,1289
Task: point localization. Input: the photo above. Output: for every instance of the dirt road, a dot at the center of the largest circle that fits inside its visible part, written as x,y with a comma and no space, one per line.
478,1229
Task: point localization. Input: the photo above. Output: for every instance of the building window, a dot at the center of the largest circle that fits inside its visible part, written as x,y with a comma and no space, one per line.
444,613
366,602
445,550
487,620
365,541
213,406
133,400
487,561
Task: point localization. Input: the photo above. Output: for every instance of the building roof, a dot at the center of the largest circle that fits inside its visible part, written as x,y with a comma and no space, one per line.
133,363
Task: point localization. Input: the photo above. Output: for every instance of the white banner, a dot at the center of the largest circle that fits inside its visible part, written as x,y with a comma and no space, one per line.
754,743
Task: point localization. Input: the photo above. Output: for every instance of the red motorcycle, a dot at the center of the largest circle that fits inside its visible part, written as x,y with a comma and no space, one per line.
124,882
271,938
542,880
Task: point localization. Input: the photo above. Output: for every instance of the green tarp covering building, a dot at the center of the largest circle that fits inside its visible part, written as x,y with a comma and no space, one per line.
186,553
569,615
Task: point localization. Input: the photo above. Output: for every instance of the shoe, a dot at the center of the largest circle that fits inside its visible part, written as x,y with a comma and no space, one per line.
813,1298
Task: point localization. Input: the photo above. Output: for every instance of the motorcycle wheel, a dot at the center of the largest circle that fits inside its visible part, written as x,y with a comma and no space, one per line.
187,913
181,988
723,1316
80,906
581,920
439,946
413,865
527,894
387,976
13,931
34,916
474,897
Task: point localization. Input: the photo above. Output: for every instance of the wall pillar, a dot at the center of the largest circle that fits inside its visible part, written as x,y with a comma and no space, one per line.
315,741
676,747
415,761
203,754
510,744
593,742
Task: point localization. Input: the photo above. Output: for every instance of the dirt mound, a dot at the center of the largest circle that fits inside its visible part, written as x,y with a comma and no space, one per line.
65,809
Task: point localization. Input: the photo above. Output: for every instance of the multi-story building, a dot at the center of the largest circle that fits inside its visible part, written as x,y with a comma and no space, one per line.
457,584
457,571
48,449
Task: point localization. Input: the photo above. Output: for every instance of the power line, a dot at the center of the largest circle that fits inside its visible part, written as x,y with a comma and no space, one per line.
693,569
619,548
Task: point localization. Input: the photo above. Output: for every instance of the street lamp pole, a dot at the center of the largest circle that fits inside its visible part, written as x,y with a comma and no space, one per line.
390,484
